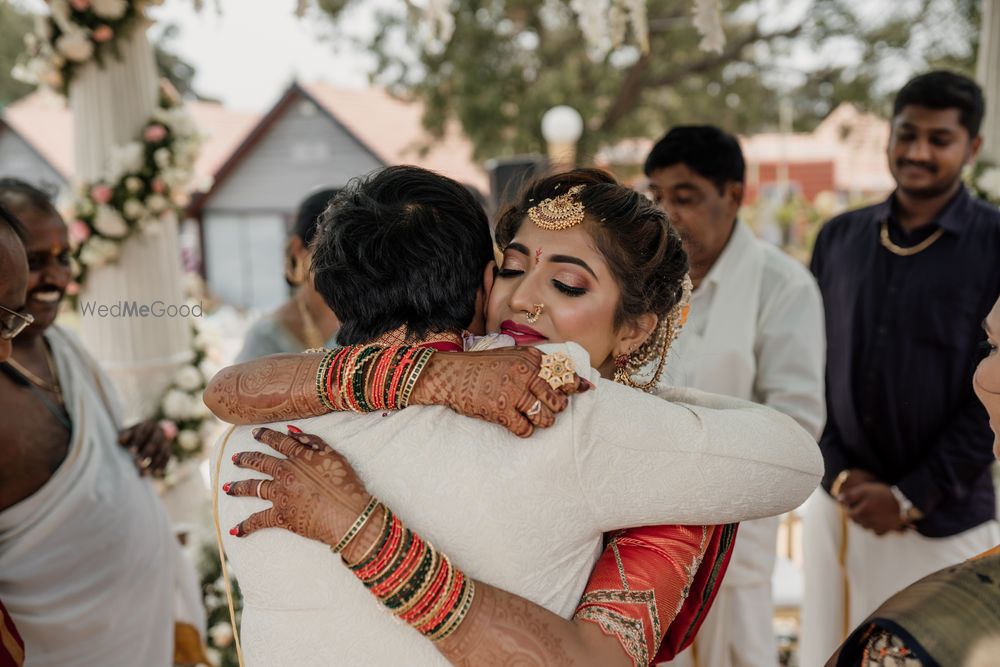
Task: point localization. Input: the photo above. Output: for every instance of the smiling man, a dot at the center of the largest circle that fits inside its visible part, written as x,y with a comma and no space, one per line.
907,449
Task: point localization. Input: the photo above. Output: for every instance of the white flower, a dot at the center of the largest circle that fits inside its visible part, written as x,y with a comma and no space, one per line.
161,156
109,9
75,45
188,440
98,252
989,182
133,184
188,378
109,222
177,405
708,21
133,209
157,203
127,159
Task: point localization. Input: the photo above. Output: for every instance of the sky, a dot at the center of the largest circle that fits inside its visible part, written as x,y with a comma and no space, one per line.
248,54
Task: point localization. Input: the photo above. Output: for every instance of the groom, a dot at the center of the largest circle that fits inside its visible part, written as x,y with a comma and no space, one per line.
409,247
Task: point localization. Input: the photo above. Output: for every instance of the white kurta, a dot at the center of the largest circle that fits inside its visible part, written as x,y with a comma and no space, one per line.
524,515
87,561
755,331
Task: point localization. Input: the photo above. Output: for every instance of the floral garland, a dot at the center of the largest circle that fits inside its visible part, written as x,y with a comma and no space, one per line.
183,415
74,33
984,180
145,183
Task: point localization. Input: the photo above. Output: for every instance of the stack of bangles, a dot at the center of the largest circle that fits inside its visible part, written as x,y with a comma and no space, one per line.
365,378
410,578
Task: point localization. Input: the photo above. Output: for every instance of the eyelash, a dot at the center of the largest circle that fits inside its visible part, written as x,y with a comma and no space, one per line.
562,287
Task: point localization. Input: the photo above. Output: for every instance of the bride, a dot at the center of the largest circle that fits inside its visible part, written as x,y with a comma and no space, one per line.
584,260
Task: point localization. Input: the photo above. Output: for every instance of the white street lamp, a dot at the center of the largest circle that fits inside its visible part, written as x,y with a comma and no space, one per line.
562,127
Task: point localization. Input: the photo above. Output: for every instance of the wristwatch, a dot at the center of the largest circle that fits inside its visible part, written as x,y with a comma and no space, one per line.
907,512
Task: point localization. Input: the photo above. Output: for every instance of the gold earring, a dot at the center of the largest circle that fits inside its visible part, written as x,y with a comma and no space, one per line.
532,317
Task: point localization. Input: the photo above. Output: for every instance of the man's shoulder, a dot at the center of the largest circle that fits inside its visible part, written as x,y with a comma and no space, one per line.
783,268
985,217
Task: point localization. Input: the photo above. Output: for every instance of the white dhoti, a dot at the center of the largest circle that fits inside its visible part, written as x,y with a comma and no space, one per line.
876,568
88,562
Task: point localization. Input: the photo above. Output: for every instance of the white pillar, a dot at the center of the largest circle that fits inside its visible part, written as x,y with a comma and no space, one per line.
111,104
988,74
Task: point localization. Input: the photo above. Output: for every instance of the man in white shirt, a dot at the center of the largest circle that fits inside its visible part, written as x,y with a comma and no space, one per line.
755,331
527,517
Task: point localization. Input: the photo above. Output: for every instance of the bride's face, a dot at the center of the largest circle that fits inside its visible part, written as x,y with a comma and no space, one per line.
561,276
987,378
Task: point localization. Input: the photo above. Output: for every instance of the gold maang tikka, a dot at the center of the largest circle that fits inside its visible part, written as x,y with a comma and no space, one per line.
557,213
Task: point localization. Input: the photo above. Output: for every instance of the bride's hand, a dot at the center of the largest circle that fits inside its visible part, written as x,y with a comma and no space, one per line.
500,386
314,491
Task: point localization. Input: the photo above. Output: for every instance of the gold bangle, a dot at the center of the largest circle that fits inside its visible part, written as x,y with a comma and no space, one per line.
424,587
464,607
359,523
839,482
411,380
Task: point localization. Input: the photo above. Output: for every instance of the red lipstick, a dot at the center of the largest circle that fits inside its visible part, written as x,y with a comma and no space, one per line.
522,334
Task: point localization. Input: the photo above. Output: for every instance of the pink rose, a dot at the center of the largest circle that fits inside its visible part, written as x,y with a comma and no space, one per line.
73,288
169,429
159,186
102,33
80,5
79,231
102,193
154,133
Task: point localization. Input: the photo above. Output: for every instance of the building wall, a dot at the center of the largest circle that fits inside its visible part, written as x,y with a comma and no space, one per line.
303,150
19,160
245,221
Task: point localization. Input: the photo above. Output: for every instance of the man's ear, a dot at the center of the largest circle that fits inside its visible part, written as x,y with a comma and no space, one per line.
634,333
737,190
974,147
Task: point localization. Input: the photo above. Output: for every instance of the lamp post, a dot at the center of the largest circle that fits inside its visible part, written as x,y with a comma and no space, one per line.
562,127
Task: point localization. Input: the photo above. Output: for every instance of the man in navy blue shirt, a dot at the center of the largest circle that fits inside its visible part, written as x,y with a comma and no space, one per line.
907,446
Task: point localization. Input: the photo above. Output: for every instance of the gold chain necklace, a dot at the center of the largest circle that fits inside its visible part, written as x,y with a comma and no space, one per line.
37,381
912,250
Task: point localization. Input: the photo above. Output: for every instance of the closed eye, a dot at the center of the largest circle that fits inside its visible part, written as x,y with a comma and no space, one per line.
567,289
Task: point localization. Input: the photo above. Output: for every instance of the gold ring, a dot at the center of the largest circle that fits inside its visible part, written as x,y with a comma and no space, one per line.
260,483
557,369
535,408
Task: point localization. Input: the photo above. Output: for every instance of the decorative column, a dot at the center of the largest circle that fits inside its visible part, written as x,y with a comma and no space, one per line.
987,65
111,103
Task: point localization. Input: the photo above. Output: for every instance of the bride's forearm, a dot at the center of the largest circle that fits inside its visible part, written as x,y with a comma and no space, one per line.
500,628
281,386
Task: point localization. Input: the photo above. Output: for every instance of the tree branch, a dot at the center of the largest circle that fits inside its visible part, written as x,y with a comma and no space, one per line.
636,79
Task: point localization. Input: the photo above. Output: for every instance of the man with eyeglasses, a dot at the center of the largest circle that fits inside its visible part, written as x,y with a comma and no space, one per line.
13,282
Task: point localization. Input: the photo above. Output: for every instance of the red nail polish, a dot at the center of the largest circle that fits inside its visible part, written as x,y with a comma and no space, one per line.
235,531
294,429
235,456
225,487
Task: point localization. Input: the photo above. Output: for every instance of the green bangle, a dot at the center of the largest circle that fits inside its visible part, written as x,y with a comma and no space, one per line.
356,527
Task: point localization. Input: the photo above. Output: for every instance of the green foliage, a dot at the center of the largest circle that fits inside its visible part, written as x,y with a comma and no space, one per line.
13,25
213,592
511,60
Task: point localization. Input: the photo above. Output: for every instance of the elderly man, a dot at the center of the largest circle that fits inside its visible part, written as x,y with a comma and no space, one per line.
755,331
88,561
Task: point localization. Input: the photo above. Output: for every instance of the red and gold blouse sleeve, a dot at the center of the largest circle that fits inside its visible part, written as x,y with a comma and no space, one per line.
11,645
653,585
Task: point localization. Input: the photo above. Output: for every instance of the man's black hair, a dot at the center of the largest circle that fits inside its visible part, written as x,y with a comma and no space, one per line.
15,194
704,149
9,221
402,246
941,89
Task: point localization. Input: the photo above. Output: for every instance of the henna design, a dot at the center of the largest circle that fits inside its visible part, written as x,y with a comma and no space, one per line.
314,491
265,390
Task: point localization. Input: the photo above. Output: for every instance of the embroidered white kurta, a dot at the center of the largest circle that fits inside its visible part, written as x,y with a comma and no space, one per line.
524,515
755,331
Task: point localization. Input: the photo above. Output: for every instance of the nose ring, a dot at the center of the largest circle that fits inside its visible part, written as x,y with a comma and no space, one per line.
532,317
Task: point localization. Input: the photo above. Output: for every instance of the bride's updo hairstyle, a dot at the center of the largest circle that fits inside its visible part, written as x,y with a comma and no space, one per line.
636,239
